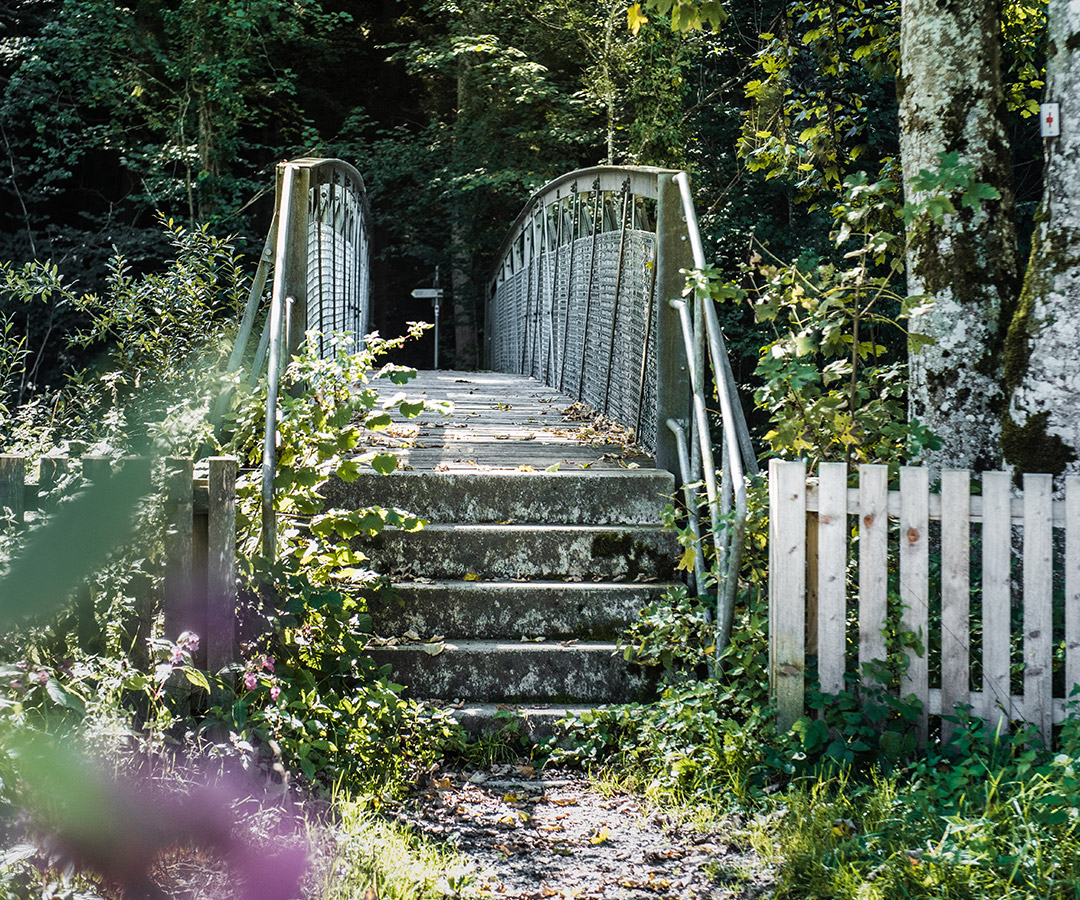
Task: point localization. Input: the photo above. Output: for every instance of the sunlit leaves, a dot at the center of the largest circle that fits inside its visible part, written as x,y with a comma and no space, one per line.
635,18
687,15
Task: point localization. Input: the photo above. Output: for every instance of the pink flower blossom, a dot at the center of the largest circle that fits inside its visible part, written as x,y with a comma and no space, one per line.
42,676
268,664
275,692
250,680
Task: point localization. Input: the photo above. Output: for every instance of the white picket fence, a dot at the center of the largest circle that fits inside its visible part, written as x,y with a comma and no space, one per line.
814,521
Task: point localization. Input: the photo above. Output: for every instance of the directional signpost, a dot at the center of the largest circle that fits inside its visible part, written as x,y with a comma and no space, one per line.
435,294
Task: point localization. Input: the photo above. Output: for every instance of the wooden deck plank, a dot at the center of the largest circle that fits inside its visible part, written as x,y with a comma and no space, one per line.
501,421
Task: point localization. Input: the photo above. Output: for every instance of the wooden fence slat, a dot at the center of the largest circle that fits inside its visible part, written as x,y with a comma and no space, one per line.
180,602
832,576
221,637
955,592
96,468
13,486
1038,609
1072,583
873,554
787,588
996,599
50,470
914,584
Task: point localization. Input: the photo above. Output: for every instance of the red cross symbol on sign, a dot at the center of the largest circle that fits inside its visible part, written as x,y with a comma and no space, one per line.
1050,120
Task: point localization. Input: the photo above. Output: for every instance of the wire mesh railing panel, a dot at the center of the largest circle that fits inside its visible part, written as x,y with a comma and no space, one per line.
338,256
573,303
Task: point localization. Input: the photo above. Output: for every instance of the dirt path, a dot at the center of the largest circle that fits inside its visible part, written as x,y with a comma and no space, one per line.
549,835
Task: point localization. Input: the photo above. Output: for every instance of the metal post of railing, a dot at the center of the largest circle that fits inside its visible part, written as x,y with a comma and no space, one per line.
690,499
574,203
295,258
589,288
618,290
672,365
269,462
286,227
733,423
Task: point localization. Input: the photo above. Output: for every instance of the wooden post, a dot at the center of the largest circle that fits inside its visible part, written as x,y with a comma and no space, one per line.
181,603
787,589
873,560
832,576
1072,583
997,599
915,586
221,632
13,486
955,593
1038,606
673,253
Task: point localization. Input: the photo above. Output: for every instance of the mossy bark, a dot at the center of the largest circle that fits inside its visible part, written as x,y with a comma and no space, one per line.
953,101
1041,425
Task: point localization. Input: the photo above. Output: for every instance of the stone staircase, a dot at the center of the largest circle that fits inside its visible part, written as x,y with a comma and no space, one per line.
526,578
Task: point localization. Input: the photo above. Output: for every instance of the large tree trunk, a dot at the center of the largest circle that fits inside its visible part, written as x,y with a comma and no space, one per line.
951,100
1041,428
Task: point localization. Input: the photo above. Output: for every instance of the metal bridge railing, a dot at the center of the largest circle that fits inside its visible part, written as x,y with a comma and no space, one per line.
587,296
319,251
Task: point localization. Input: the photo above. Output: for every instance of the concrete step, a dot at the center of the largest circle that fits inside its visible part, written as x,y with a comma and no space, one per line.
510,609
612,497
504,672
531,721
533,552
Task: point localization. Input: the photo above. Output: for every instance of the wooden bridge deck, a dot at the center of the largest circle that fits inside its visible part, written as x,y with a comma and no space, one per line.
501,421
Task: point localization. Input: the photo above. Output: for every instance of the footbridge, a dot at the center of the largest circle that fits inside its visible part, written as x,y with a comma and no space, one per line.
605,392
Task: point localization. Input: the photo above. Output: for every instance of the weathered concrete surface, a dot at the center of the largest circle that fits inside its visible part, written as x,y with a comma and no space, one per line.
568,554
534,552
510,609
501,422
501,672
532,722
610,496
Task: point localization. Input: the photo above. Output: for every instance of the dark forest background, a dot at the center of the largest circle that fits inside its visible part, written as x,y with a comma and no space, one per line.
112,116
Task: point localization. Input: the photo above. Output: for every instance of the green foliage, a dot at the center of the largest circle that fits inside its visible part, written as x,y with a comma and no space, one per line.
156,336
674,633
989,816
833,387
175,91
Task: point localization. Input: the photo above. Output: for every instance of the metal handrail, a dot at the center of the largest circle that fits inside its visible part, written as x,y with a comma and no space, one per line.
685,345
299,188
736,438
548,317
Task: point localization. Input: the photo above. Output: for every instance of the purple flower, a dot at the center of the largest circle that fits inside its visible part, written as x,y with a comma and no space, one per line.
268,664
250,680
188,641
42,676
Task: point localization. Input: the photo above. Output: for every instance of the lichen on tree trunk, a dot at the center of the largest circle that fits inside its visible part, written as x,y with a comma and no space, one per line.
952,100
1041,426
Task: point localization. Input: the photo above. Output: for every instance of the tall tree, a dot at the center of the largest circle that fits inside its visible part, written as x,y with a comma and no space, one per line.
1041,427
952,100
